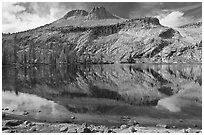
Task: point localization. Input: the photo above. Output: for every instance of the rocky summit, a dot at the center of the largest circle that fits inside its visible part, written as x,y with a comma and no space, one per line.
100,13
99,36
75,13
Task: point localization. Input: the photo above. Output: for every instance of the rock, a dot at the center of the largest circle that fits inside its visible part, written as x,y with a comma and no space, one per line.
132,129
162,125
125,117
64,129
195,125
39,111
167,131
4,128
181,120
73,118
33,129
2,108
13,131
91,126
96,129
108,131
75,13
101,131
26,122
3,115
174,127
189,130
133,122
80,130
84,125
184,131
13,123
199,131
72,130
25,113
86,130
123,126
100,13
6,108
31,124
113,127
6,131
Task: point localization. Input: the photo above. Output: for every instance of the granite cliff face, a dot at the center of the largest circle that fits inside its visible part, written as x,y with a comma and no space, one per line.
75,13
101,37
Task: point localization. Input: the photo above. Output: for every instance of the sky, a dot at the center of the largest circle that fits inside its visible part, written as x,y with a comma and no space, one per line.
20,16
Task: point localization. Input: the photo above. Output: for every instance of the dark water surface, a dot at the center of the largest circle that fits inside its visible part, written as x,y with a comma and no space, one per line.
105,94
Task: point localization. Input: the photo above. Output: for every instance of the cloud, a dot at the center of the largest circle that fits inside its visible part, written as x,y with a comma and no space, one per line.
15,17
27,15
174,19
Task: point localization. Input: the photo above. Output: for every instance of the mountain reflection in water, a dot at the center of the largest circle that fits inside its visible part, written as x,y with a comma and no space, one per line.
104,91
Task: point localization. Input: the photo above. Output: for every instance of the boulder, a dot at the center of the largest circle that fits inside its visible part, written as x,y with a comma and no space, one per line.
4,128
132,129
123,126
25,113
72,130
86,130
33,129
13,123
64,129
133,122
26,122
162,125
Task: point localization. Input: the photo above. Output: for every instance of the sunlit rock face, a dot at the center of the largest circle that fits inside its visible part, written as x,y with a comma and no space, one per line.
100,13
75,13
99,36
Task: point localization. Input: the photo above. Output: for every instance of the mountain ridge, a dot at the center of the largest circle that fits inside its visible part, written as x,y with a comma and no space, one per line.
99,37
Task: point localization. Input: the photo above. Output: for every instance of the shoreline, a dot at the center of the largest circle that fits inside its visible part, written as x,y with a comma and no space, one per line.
88,64
17,125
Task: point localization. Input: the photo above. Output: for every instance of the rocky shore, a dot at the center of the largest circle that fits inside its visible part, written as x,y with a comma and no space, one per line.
25,126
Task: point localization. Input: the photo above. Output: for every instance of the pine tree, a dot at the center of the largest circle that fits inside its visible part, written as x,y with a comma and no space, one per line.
15,48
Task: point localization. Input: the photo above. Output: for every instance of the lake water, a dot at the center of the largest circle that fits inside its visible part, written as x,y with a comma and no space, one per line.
105,94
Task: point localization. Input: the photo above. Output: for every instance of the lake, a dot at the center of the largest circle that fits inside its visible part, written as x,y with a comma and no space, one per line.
105,94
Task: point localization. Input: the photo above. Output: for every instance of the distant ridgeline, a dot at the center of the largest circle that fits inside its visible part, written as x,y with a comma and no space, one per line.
101,37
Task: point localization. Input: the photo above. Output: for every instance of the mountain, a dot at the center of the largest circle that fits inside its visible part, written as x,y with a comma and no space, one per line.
195,25
75,13
100,13
95,13
99,36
